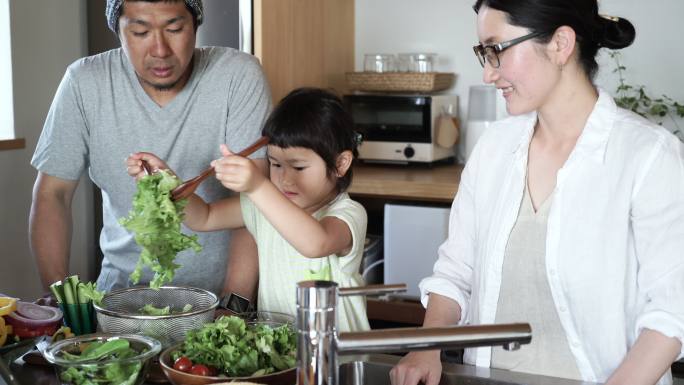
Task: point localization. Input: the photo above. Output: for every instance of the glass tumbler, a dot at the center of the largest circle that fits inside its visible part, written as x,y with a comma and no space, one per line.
417,62
377,62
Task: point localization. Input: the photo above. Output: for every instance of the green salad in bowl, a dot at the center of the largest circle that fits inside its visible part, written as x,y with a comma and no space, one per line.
103,359
260,347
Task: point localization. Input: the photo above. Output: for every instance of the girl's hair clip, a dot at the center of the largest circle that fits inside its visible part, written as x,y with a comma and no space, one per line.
358,138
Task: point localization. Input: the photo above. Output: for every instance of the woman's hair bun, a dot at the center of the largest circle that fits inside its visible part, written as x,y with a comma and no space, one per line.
615,32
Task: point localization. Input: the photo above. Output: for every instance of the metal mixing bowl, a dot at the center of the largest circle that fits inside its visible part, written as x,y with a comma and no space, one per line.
120,312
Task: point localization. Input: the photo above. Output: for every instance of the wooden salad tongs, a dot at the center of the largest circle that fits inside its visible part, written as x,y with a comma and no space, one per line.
188,187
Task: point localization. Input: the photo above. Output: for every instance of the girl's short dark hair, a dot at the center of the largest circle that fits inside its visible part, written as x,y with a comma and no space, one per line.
593,31
315,119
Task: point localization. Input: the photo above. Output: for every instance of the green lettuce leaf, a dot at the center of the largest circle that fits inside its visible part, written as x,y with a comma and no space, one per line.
156,221
90,292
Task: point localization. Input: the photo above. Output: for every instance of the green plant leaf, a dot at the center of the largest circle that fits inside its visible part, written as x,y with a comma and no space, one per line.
637,99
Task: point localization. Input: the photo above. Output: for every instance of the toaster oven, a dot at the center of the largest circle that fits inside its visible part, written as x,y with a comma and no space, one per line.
401,128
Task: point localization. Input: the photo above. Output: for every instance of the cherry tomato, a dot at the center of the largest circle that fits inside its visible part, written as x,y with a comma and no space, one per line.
200,370
183,364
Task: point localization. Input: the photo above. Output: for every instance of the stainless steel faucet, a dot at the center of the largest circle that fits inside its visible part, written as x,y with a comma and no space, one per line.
320,344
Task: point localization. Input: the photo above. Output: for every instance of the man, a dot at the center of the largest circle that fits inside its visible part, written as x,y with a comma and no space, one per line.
156,93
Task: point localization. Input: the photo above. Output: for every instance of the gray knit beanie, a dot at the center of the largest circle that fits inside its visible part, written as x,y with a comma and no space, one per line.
113,11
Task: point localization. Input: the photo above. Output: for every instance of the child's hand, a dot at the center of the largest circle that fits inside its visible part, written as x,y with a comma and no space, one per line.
236,172
134,164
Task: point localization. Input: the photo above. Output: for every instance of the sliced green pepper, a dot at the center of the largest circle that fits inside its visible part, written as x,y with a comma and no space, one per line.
108,348
91,346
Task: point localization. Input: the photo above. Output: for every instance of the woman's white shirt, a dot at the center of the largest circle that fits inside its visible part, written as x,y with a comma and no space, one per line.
615,236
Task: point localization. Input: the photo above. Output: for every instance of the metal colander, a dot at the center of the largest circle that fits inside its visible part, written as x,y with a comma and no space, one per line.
120,312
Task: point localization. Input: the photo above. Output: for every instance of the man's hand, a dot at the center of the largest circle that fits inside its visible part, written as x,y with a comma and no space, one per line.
134,164
415,367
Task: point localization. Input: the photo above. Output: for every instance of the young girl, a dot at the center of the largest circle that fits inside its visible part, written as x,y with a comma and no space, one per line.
304,223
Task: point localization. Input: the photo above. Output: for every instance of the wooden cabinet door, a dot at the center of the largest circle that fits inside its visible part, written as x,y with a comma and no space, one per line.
304,43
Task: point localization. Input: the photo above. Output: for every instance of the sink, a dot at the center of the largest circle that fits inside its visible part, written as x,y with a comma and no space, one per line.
373,369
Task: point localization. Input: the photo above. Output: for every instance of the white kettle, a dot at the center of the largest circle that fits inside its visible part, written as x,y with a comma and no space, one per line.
482,111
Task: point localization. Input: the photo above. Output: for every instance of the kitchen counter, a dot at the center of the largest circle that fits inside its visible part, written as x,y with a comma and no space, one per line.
359,370
437,183
32,374
45,374
355,370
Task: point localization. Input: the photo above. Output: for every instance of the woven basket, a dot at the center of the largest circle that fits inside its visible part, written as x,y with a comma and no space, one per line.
400,81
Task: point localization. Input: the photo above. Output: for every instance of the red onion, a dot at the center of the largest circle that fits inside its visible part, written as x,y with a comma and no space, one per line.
32,315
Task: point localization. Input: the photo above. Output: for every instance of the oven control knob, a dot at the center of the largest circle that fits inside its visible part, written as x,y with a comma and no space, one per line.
409,152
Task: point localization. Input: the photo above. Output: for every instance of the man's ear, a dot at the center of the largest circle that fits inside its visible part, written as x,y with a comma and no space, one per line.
562,45
344,161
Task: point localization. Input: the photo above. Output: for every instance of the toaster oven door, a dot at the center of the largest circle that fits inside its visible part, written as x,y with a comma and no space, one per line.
391,118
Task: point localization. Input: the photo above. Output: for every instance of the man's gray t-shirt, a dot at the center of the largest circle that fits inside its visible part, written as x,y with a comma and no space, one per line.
101,114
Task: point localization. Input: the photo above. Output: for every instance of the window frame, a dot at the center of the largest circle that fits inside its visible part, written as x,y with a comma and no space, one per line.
8,134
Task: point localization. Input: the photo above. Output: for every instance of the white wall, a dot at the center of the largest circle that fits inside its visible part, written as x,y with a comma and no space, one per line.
447,27
46,37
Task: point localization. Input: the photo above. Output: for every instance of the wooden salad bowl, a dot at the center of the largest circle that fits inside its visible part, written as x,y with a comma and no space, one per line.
284,377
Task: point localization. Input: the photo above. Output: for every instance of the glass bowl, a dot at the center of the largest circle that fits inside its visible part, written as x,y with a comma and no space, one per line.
111,371
272,319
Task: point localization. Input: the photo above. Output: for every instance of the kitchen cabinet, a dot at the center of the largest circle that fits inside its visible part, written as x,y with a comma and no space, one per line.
304,43
374,185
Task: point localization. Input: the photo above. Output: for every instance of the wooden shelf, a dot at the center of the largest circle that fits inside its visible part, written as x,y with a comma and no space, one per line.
438,183
12,144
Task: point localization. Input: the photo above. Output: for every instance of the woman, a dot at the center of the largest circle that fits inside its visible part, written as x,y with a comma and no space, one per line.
569,215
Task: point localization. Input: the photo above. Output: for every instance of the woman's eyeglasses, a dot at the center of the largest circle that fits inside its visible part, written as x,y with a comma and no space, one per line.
490,53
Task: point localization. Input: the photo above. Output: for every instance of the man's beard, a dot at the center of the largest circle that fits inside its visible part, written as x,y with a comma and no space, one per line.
163,87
